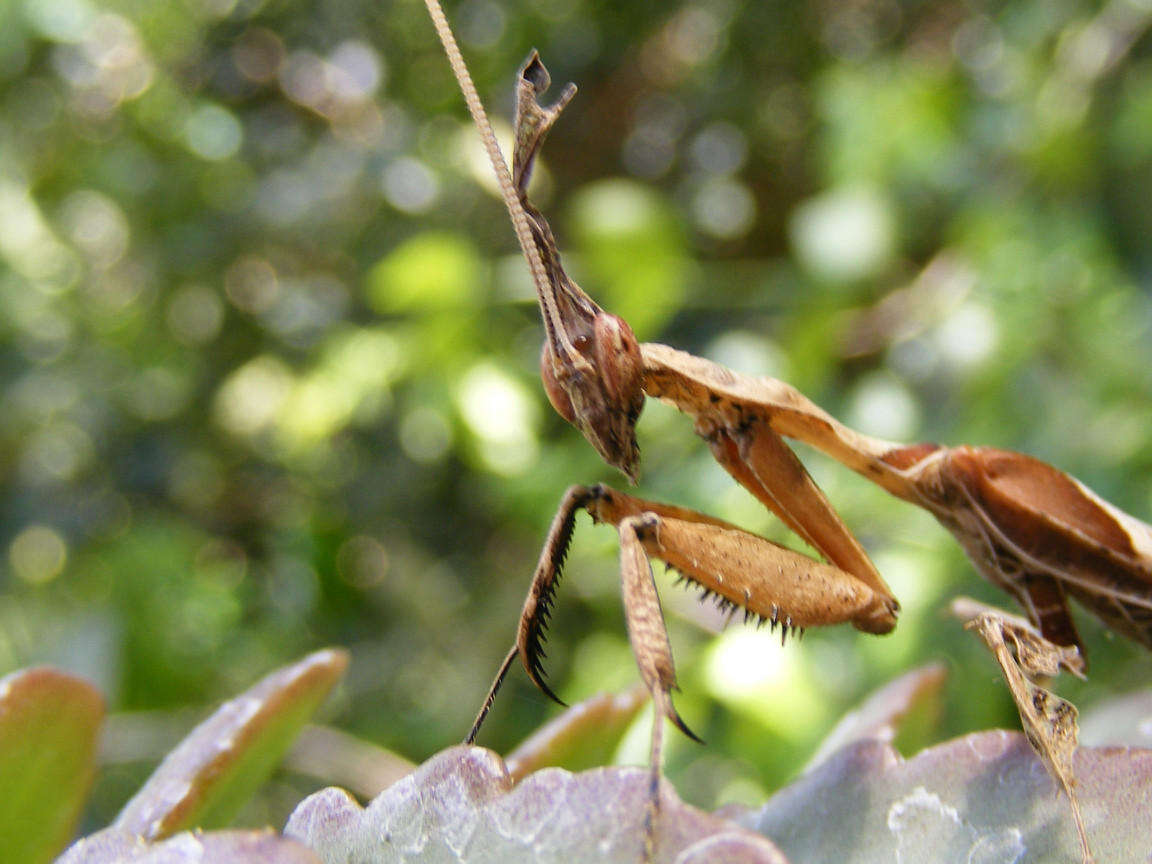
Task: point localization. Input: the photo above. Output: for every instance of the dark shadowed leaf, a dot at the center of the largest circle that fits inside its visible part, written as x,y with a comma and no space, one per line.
983,797
48,730
337,757
879,716
205,780
461,806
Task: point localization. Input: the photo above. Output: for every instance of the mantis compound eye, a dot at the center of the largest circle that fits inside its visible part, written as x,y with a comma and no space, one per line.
600,389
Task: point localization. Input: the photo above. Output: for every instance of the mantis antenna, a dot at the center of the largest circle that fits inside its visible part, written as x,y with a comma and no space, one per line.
503,176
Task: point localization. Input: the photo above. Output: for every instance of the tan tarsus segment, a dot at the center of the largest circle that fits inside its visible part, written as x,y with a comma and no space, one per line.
647,632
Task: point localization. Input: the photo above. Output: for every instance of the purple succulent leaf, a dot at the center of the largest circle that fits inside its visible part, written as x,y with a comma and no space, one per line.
228,847
109,846
461,806
1124,720
984,797
117,846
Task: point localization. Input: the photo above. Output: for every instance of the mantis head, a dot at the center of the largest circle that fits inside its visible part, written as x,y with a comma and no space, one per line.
597,386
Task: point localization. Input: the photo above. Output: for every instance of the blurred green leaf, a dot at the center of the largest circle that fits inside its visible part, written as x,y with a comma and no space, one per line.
217,768
434,271
584,736
632,249
49,725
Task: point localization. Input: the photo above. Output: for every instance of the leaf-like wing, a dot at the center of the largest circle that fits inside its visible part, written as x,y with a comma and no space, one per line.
1040,534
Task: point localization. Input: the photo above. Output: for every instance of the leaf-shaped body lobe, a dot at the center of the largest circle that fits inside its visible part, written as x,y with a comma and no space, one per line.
1036,498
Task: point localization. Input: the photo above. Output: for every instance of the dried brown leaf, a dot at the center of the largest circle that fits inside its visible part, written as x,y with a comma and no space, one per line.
1049,722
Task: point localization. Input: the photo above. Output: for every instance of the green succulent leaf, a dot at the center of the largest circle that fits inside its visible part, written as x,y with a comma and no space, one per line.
585,735
216,769
49,725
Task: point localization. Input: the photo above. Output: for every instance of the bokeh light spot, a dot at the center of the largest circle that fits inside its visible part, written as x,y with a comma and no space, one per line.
97,225
502,416
250,398
969,336
883,406
38,554
251,284
724,208
844,235
213,133
425,435
195,314
409,185
362,561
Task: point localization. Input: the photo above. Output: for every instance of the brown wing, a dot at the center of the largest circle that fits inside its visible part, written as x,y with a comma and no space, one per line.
1045,534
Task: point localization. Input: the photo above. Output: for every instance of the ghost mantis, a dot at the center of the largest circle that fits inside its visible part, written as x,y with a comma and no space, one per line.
1032,530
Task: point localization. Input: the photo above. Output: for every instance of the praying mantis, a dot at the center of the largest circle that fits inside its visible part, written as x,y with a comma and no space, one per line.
1032,530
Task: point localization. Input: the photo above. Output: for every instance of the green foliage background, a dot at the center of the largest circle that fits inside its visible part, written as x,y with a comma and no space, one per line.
268,358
